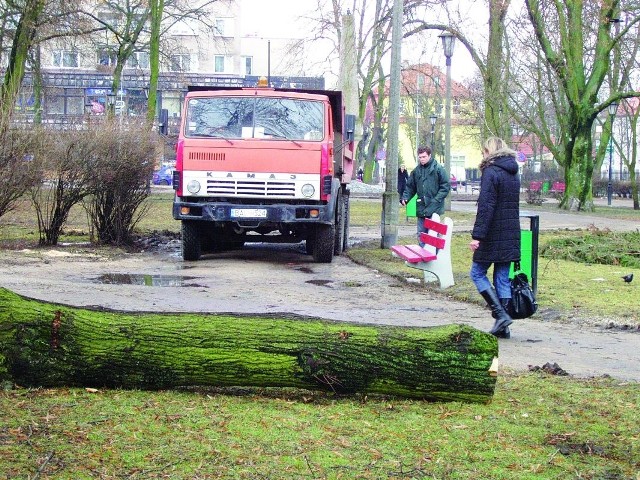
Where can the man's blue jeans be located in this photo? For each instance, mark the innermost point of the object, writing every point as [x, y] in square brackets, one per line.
[421, 228]
[501, 281]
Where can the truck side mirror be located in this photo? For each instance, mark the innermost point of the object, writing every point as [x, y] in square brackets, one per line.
[349, 127]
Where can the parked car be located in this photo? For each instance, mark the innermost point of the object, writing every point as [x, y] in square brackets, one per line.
[164, 176]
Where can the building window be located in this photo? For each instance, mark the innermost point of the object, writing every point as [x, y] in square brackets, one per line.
[64, 101]
[420, 81]
[107, 57]
[219, 64]
[113, 19]
[180, 63]
[218, 28]
[65, 59]
[138, 60]
[248, 65]
[456, 105]
[223, 27]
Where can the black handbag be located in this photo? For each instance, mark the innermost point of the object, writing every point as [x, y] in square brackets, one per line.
[523, 302]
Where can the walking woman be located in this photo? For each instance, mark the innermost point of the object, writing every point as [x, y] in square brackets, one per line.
[496, 232]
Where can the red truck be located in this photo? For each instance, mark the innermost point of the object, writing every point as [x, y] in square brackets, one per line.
[263, 164]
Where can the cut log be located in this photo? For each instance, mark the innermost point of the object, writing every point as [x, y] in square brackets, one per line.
[51, 345]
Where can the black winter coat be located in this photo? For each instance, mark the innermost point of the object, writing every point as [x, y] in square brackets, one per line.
[497, 223]
[403, 175]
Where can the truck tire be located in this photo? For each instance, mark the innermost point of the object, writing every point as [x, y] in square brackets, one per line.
[191, 242]
[324, 243]
[339, 229]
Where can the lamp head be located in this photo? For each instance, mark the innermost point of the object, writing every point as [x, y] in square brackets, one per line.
[448, 42]
[433, 119]
[613, 108]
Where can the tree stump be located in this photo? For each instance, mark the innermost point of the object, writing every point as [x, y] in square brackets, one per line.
[51, 345]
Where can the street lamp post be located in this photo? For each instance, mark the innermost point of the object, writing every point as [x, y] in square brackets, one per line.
[417, 125]
[613, 109]
[433, 119]
[448, 42]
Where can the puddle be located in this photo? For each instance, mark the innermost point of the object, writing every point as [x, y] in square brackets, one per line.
[320, 283]
[147, 280]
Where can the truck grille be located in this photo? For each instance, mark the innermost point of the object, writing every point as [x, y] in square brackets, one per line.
[251, 188]
[207, 156]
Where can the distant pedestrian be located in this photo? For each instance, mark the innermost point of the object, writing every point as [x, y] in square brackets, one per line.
[360, 173]
[496, 232]
[403, 176]
[429, 181]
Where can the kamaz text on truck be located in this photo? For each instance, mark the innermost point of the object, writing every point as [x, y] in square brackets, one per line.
[263, 165]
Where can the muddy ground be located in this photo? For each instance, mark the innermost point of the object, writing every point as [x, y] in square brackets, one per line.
[282, 279]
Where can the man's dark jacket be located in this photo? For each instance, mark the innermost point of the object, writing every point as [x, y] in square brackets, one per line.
[497, 223]
[432, 186]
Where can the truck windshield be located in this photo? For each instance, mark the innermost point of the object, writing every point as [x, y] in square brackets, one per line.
[251, 117]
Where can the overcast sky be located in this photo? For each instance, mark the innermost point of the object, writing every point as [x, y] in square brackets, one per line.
[282, 19]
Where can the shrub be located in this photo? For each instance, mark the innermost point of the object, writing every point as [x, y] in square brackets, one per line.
[534, 197]
[19, 165]
[122, 167]
[67, 172]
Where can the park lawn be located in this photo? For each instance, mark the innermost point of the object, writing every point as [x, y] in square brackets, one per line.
[536, 427]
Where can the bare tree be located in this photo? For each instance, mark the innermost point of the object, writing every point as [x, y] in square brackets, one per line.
[130, 26]
[577, 61]
[23, 38]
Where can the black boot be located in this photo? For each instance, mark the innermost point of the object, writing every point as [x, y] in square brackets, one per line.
[505, 332]
[497, 311]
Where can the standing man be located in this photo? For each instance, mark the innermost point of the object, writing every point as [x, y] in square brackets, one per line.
[429, 181]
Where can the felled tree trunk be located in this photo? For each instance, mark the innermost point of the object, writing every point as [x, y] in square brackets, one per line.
[49, 345]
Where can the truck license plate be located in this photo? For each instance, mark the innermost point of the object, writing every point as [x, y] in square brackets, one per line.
[249, 212]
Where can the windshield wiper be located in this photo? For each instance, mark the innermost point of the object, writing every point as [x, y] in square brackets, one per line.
[210, 135]
[284, 137]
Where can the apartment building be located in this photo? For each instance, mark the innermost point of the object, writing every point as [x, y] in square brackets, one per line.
[77, 72]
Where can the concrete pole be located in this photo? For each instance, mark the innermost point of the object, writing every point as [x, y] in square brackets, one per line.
[349, 74]
[390, 200]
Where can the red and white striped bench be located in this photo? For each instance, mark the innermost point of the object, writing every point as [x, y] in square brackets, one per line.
[434, 259]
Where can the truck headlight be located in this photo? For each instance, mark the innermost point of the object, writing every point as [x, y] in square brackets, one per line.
[308, 190]
[193, 186]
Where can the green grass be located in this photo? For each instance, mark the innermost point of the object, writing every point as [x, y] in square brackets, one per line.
[565, 288]
[536, 427]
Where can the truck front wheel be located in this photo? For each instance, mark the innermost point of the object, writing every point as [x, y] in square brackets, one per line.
[323, 244]
[191, 242]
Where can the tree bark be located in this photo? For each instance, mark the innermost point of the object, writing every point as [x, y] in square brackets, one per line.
[50, 345]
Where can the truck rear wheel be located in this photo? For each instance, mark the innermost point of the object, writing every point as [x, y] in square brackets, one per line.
[191, 242]
[324, 244]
